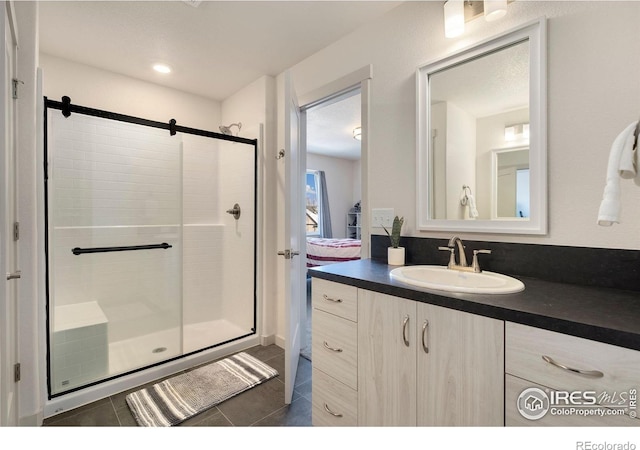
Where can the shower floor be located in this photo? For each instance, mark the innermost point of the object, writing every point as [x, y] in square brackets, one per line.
[138, 352]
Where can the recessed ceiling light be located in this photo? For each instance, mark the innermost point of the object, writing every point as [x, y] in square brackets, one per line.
[162, 68]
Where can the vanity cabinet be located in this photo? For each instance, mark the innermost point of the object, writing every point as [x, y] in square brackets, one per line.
[425, 365]
[334, 350]
[557, 362]
[386, 360]
[460, 368]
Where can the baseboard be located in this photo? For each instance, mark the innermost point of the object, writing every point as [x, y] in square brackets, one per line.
[34, 420]
[280, 341]
[268, 340]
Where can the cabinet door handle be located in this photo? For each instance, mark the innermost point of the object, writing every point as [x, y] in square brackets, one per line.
[405, 325]
[425, 347]
[326, 408]
[329, 299]
[333, 349]
[586, 373]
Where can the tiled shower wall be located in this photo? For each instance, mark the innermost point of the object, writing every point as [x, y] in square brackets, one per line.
[118, 184]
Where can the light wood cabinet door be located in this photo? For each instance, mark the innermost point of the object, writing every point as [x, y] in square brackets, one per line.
[335, 347]
[460, 368]
[386, 360]
[540, 355]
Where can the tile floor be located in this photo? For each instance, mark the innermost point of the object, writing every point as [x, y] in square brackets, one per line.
[262, 405]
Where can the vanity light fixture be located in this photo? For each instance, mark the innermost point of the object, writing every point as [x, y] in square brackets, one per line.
[357, 133]
[162, 68]
[458, 12]
[494, 9]
[453, 18]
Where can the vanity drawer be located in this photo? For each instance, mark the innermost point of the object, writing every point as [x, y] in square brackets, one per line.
[514, 387]
[605, 367]
[334, 403]
[335, 298]
[335, 347]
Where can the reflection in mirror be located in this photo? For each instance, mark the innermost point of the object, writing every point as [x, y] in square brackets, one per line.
[482, 153]
[510, 177]
[471, 105]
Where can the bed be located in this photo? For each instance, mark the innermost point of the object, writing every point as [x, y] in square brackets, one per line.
[322, 251]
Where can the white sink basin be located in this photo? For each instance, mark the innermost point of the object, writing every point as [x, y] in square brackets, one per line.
[444, 279]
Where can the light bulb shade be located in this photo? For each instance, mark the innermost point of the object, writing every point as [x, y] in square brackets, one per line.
[453, 18]
[494, 9]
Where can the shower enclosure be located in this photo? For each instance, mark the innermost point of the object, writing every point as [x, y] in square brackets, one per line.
[151, 243]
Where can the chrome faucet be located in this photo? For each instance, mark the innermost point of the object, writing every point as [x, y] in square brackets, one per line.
[462, 258]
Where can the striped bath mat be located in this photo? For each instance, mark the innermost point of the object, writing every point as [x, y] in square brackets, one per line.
[177, 399]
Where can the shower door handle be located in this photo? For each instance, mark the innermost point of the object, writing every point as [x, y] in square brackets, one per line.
[288, 254]
[14, 275]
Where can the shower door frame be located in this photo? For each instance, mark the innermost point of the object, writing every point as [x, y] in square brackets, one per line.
[68, 108]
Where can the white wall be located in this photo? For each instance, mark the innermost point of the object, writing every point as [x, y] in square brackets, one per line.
[96, 88]
[254, 106]
[490, 136]
[593, 92]
[461, 159]
[340, 174]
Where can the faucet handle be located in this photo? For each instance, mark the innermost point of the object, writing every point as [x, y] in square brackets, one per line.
[474, 264]
[452, 257]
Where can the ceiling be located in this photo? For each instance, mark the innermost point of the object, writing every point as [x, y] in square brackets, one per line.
[330, 128]
[214, 49]
[486, 86]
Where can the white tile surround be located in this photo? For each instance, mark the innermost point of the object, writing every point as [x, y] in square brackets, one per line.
[80, 346]
[112, 185]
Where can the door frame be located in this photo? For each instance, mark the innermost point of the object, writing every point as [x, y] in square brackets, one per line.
[335, 90]
[358, 79]
[9, 392]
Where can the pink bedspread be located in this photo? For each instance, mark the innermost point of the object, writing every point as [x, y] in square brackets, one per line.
[321, 252]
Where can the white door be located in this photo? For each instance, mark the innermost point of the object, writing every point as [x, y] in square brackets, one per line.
[8, 245]
[294, 253]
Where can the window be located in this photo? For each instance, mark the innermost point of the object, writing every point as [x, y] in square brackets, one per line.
[313, 203]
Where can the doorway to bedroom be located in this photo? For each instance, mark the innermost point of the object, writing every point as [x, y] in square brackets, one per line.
[333, 189]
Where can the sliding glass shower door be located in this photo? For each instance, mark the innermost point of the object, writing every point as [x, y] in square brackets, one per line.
[115, 239]
[150, 246]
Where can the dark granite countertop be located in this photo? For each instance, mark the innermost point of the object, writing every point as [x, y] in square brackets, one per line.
[607, 315]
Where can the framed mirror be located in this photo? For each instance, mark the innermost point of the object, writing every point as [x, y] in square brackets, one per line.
[481, 156]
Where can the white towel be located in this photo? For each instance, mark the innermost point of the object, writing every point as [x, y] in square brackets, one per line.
[609, 212]
[628, 163]
[473, 212]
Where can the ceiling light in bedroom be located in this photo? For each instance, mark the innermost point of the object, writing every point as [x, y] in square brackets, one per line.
[162, 68]
[357, 133]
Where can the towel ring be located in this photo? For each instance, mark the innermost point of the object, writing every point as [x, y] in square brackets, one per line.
[464, 198]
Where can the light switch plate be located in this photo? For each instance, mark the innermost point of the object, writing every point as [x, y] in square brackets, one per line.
[382, 217]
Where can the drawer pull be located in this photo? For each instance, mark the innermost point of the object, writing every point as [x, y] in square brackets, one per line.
[586, 373]
[425, 347]
[326, 408]
[337, 350]
[405, 325]
[329, 299]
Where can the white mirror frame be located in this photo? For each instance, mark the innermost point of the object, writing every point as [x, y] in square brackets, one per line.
[535, 32]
